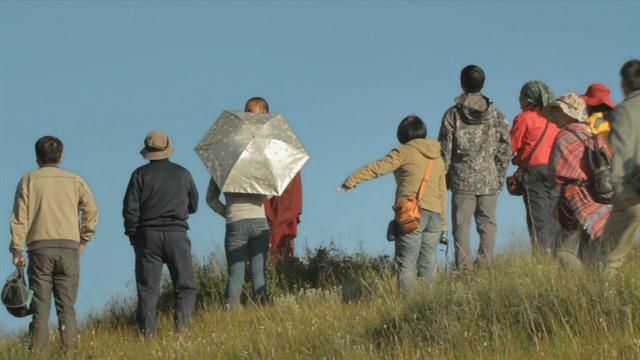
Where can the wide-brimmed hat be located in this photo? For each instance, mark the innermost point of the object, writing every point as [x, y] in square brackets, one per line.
[569, 104]
[157, 146]
[598, 94]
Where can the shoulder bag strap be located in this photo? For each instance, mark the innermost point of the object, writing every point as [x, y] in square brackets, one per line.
[425, 179]
[535, 146]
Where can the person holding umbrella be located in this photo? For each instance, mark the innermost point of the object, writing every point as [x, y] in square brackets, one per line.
[251, 156]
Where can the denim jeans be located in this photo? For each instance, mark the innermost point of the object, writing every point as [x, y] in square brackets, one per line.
[247, 239]
[416, 253]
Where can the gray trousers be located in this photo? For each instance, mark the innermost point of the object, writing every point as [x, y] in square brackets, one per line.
[416, 253]
[153, 248]
[483, 208]
[620, 233]
[54, 270]
[539, 202]
[574, 249]
[247, 239]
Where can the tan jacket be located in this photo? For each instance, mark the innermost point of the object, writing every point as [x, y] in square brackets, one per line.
[408, 163]
[47, 208]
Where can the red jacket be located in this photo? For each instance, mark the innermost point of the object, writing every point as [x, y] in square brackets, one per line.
[527, 129]
[283, 213]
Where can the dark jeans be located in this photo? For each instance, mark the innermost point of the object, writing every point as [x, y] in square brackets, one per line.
[416, 253]
[54, 270]
[483, 209]
[247, 239]
[540, 202]
[153, 248]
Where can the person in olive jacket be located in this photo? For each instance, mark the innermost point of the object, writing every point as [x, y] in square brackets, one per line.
[416, 251]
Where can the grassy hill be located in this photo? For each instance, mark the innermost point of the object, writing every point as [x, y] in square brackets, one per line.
[335, 306]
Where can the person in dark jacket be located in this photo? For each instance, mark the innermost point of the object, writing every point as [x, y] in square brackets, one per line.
[476, 149]
[157, 204]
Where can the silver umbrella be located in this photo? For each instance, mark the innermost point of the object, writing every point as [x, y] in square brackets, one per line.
[252, 153]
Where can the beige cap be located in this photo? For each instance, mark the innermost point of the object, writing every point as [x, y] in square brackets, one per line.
[157, 146]
[569, 104]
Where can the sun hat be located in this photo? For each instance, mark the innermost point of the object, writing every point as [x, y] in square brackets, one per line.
[157, 146]
[569, 104]
[598, 94]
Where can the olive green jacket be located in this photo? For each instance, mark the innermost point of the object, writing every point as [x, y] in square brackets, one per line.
[408, 164]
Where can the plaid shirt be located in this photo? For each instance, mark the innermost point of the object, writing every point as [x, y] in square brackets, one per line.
[568, 164]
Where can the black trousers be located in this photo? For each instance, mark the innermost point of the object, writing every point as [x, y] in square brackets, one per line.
[153, 248]
[540, 202]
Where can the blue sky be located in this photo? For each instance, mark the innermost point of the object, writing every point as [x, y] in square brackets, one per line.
[100, 75]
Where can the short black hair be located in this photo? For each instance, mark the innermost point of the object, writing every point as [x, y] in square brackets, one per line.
[49, 150]
[411, 127]
[630, 73]
[261, 102]
[472, 78]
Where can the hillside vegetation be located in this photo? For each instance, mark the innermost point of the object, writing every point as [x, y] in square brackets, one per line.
[338, 306]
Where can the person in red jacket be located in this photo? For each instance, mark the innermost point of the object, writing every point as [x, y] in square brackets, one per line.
[283, 212]
[532, 138]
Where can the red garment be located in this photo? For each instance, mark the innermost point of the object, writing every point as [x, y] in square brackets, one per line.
[568, 164]
[527, 129]
[283, 213]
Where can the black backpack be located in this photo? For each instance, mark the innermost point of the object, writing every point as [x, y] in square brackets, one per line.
[600, 183]
[16, 296]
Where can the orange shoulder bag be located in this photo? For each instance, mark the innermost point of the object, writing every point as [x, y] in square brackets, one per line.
[407, 209]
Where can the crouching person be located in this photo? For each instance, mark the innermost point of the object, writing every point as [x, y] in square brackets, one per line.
[54, 217]
[419, 170]
[581, 216]
[157, 204]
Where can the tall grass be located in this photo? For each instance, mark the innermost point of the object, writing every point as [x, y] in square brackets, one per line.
[334, 305]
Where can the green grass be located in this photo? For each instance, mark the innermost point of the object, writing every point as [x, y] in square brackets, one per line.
[336, 306]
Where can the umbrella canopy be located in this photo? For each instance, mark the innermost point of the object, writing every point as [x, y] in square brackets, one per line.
[252, 153]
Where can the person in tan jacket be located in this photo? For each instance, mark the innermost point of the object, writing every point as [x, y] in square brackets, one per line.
[54, 216]
[416, 251]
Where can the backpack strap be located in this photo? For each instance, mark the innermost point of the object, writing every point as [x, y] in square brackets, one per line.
[577, 136]
[425, 179]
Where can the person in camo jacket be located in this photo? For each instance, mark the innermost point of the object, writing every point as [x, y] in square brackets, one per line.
[476, 148]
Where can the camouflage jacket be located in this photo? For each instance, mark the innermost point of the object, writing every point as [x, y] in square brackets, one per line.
[476, 146]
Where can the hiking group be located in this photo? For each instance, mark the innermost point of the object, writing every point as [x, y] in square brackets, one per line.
[578, 171]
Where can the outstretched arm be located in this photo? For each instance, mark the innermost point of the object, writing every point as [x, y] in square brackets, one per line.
[373, 170]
